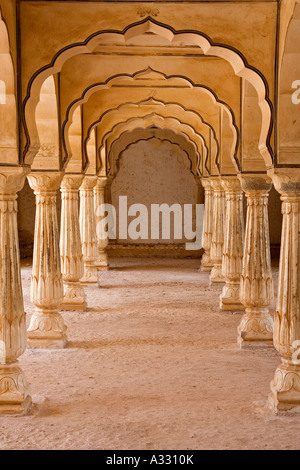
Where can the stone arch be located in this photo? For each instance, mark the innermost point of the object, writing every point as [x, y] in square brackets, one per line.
[148, 25]
[162, 122]
[156, 76]
[169, 109]
[9, 145]
[124, 141]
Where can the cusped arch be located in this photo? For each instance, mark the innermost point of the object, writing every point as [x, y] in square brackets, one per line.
[162, 122]
[127, 138]
[148, 25]
[156, 76]
[134, 110]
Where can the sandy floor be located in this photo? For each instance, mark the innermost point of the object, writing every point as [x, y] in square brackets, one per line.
[153, 364]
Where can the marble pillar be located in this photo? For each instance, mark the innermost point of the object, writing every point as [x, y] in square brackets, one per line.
[233, 245]
[256, 292]
[88, 229]
[14, 389]
[70, 244]
[47, 328]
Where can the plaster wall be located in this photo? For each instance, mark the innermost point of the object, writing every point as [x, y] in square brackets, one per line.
[154, 172]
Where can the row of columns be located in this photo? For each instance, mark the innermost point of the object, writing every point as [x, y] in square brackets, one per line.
[246, 268]
[241, 262]
[240, 259]
[63, 263]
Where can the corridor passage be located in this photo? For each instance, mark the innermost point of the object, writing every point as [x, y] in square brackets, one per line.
[152, 364]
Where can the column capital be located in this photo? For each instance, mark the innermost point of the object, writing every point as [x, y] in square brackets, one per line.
[286, 180]
[206, 183]
[215, 183]
[89, 182]
[101, 182]
[12, 178]
[255, 182]
[231, 183]
[71, 181]
[45, 181]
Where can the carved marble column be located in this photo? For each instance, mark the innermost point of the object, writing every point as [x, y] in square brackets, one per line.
[218, 231]
[285, 388]
[233, 245]
[46, 327]
[88, 229]
[206, 262]
[70, 244]
[99, 198]
[14, 390]
[256, 294]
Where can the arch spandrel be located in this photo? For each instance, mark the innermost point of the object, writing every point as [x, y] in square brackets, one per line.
[91, 168]
[250, 125]
[288, 151]
[9, 145]
[74, 164]
[48, 156]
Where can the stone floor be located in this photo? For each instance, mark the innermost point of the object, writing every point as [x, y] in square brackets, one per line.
[153, 364]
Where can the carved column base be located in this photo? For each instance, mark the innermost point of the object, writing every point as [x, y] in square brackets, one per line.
[285, 388]
[74, 298]
[14, 390]
[256, 328]
[47, 330]
[216, 275]
[90, 275]
[102, 261]
[230, 297]
[206, 263]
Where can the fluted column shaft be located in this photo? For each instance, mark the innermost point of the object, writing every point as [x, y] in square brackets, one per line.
[233, 244]
[14, 390]
[285, 388]
[88, 229]
[99, 198]
[256, 292]
[70, 244]
[218, 231]
[46, 327]
[206, 262]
